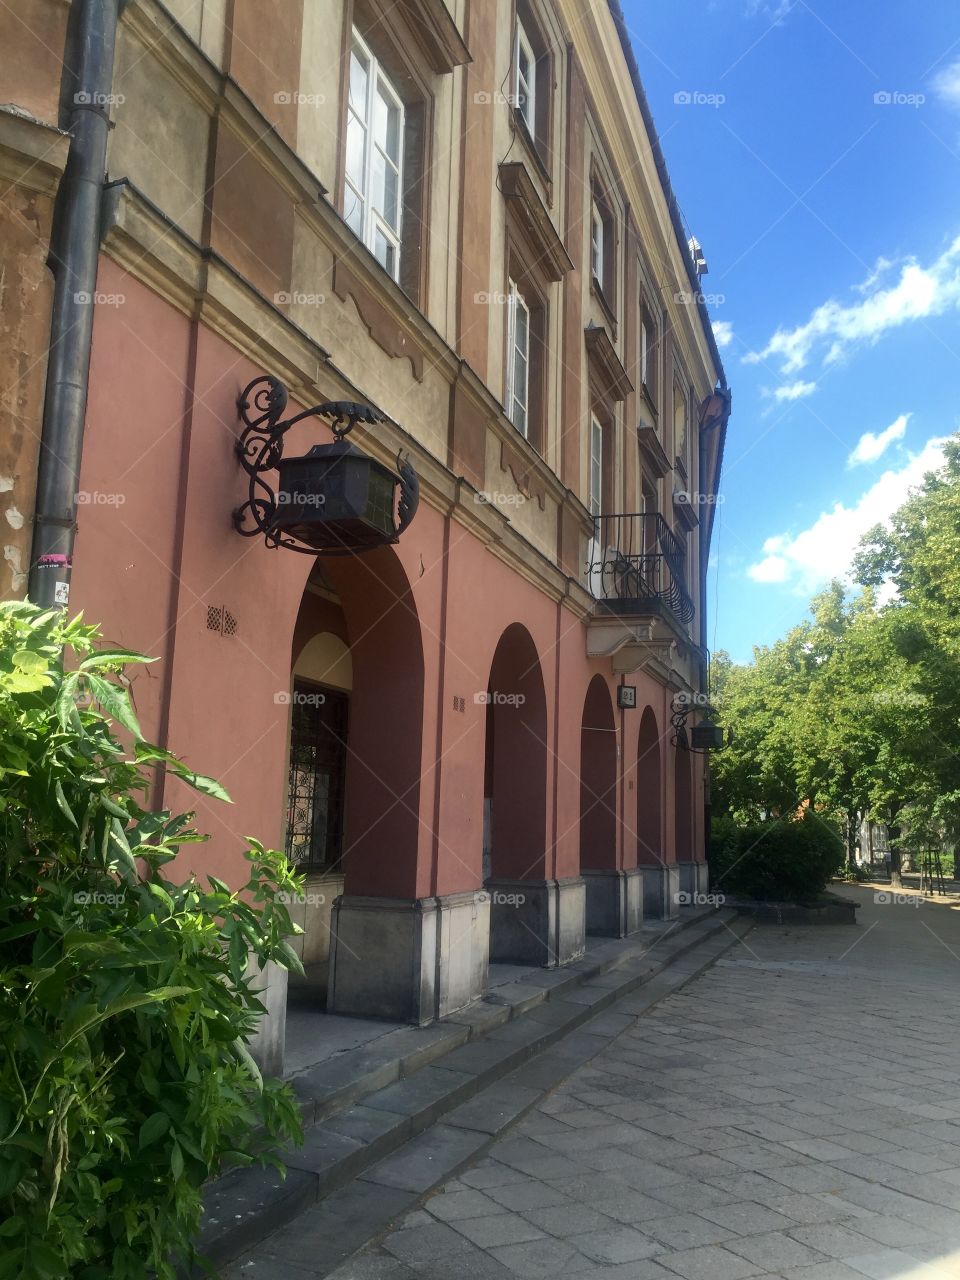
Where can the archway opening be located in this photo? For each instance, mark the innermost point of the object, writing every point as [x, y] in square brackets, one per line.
[649, 824]
[607, 907]
[515, 796]
[598, 780]
[353, 791]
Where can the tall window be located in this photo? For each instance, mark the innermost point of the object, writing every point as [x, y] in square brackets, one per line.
[596, 243]
[679, 422]
[318, 760]
[518, 360]
[596, 467]
[525, 80]
[373, 192]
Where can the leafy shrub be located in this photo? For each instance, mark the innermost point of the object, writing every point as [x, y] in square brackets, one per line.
[784, 860]
[126, 1000]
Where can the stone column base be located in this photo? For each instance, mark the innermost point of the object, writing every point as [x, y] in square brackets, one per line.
[267, 1045]
[661, 886]
[409, 961]
[694, 880]
[614, 902]
[537, 922]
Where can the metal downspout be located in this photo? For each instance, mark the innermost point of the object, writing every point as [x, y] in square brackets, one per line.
[74, 255]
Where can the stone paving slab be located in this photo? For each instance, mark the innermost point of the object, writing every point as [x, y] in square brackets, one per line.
[468, 1128]
[791, 1114]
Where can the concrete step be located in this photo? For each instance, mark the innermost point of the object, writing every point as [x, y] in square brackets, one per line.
[412, 1133]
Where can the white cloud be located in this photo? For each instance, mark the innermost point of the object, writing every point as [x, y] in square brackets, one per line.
[946, 84]
[873, 445]
[833, 327]
[773, 10]
[880, 268]
[825, 550]
[723, 332]
[794, 391]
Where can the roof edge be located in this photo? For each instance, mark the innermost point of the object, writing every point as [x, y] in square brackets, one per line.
[619, 21]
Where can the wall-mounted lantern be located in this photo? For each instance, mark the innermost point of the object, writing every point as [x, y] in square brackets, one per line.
[703, 737]
[334, 500]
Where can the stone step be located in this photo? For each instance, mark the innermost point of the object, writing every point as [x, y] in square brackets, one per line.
[347, 1078]
[414, 1132]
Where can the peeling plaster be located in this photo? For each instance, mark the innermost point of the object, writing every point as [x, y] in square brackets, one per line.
[14, 518]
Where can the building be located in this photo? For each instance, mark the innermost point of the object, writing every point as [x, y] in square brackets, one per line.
[457, 213]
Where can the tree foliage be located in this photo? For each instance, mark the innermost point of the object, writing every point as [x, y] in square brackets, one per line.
[856, 711]
[126, 998]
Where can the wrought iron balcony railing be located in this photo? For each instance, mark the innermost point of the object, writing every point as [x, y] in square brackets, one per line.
[636, 565]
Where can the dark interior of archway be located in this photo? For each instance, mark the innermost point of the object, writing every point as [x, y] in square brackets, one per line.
[598, 780]
[649, 848]
[516, 759]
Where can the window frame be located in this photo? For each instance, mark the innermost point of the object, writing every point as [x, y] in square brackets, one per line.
[372, 220]
[597, 246]
[526, 107]
[516, 300]
[597, 463]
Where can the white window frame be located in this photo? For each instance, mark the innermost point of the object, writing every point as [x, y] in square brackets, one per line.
[517, 397]
[596, 242]
[596, 466]
[525, 87]
[644, 350]
[373, 220]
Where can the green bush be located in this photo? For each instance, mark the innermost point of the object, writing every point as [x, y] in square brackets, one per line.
[783, 860]
[126, 1000]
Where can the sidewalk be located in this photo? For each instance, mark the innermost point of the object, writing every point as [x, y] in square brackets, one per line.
[793, 1113]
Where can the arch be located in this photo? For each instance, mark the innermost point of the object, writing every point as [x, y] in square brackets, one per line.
[382, 830]
[683, 807]
[515, 788]
[598, 779]
[325, 659]
[649, 786]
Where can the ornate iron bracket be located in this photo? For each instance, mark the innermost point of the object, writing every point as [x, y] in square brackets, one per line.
[259, 449]
[680, 708]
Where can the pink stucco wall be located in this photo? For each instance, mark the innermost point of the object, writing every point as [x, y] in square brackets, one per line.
[424, 621]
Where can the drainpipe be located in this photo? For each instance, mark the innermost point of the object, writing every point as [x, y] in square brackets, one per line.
[74, 255]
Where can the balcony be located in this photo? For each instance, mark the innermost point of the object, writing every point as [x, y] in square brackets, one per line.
[636, 567]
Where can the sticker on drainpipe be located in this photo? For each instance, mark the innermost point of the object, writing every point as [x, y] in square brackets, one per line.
[61, 593]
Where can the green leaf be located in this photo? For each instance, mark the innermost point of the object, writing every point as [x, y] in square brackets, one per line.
[115, 701]
[200, 782]
[153, 1129]
[62, 803]
[176, 1162]
[112, 658]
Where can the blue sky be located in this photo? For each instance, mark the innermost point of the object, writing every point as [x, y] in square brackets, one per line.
[818, 164]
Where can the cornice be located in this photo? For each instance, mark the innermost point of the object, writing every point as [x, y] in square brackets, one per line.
[33, 154]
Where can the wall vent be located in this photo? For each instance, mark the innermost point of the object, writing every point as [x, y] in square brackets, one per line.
[220, 619]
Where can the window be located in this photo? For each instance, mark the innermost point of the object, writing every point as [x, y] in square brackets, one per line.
[525, 80]
[318, 760]
[596, 243]
[679, 422]
[596, 467]
[518, 360]
[373, 192]
[648, 350]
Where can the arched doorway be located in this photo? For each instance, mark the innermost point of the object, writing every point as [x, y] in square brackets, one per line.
[354, 817]
[650, 857]
[606, 900]
[523, 914]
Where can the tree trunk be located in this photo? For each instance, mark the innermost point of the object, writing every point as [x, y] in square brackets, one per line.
[896, 861]
[851, 838]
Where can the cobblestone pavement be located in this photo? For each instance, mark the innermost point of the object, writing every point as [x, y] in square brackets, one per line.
[795, 1112]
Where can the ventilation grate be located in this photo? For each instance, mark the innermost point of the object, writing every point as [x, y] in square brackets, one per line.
[221, 620]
